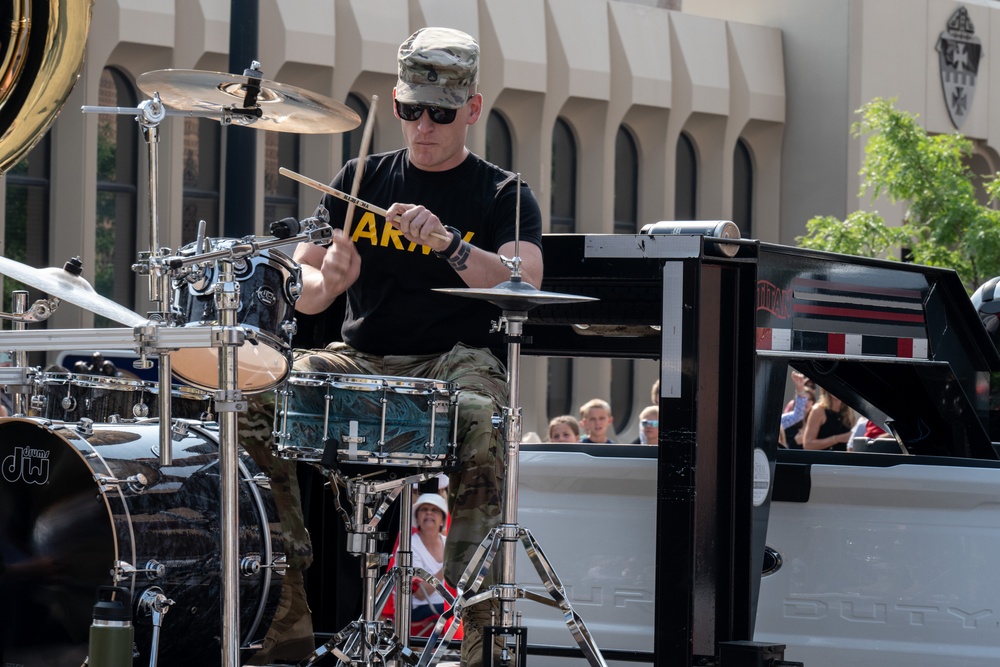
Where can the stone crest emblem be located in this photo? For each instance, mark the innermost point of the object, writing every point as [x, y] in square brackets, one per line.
[959, 51]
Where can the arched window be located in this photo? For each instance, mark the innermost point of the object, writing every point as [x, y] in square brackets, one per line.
[563, 216]
[622, 391]
[563, 179]
[685, 180]
[351, 142]
[281, 199]
[202, 176]
[499, 146]
[27, 207]
[559, 398]
[115, 243]
[626, 182]
[625, 222]
[743, 188]
[979, 167]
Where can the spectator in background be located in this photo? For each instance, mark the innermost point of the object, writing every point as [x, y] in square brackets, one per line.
[829, 424]
[649, 425]
[564, 428]
[793, 419]
[791, 436]
[597, 419]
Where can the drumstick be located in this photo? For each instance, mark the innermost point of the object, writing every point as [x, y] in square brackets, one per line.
[366, 139]
[360, 203]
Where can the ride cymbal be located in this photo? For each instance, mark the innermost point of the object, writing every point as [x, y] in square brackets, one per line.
[275, 106]
[70, 287]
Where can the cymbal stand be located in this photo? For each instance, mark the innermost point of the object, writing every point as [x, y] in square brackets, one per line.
[149, 114]
[502, 538]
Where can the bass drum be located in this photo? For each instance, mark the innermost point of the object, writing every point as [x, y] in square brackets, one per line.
[77, 505]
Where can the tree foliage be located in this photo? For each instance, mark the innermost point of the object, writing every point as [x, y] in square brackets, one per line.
[944, 224]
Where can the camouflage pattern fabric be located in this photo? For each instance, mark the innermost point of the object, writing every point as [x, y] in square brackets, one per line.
[290, 633]
[437, 67]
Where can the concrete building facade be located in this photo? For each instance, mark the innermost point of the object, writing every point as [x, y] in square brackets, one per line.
[734, 110]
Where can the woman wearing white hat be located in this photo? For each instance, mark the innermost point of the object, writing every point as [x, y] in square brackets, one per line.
[430, 513]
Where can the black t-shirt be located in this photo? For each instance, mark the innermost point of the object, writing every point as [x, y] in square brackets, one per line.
[391, 309]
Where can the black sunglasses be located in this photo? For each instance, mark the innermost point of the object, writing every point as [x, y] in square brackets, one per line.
[439, 115]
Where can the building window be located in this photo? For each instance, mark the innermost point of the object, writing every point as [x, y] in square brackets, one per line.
[281, 200]
[499, 146]
[743, 188]
[115, 242]
[27, 207]
[685, 180]
[202, 147]
[622, 390]
[559, 398]
[979, 171]
[351, 142]
[626, 182]
[563, 179]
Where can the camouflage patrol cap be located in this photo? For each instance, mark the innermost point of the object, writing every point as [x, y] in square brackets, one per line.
[437, 66]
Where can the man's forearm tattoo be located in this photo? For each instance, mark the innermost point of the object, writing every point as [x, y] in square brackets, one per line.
[459, 260]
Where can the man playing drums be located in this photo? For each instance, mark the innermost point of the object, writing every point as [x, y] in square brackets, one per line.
[450, 217]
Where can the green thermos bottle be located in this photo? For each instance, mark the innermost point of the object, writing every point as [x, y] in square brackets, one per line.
[111, 631]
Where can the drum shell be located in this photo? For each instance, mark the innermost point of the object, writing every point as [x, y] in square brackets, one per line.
[269, 285]
[65, 524]
[396, 421]
[74, 396]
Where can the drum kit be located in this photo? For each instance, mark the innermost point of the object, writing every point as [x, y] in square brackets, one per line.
[184, 519]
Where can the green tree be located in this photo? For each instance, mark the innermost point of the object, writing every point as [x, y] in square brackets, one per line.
[944, 224]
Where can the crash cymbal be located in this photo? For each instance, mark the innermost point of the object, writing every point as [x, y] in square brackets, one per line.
[515, 295]
[282, 108]
[69, 287]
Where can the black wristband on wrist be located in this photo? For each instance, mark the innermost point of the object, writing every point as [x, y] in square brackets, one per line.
[456, 240]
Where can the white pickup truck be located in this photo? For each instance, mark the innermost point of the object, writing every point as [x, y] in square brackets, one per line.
[875, 559]
[717, 534]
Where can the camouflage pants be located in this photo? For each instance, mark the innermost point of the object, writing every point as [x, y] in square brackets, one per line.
[474, 489]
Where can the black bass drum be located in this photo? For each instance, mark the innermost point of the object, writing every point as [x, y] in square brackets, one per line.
[81, 503]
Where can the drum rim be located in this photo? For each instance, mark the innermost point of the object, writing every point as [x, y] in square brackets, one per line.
[360, 380]
[94, 381]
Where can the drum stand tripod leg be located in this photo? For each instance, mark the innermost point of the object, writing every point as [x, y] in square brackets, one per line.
[369, 640]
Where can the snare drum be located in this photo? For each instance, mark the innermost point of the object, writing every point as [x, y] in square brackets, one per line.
[269, 284]
[371, 420]
[80, 505]
[75, 396]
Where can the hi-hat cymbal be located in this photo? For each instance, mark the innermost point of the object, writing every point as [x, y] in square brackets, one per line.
[69, 287]
[515, 295]
[283, 108]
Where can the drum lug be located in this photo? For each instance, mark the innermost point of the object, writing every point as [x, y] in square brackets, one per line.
[123, 570]
[250, 565]
[289, 328]
[261, 480]
[85, 427]
[134, 484]
[179, 430]
[39, 403]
